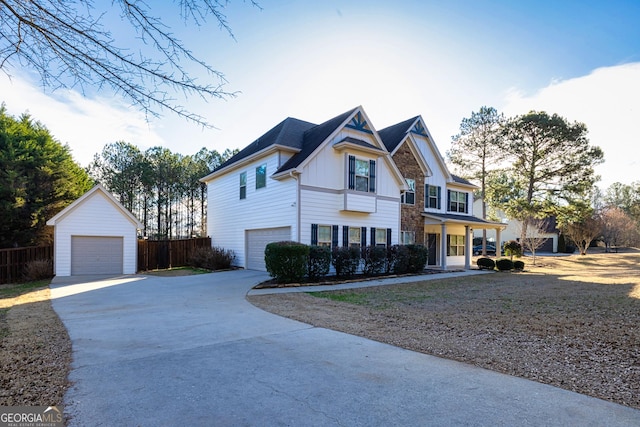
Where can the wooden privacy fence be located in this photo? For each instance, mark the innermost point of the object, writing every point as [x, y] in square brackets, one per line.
[160, 254]
[13, 261]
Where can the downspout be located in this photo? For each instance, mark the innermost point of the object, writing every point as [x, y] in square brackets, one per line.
[297, 203]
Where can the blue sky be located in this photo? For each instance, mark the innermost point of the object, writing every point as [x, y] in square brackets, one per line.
[314, 60]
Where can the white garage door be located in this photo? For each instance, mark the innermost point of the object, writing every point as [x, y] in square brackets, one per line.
[257, 241]
[96, 255]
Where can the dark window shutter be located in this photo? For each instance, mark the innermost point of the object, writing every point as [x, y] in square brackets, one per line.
[352, 172]
[448, 200]
[466, 202]
[373, 236]
[372, 176]
[314, 234]
[439, 197]
[426, 196]
[363, 237]
[388, 237]
[345, 236]
[334, 236]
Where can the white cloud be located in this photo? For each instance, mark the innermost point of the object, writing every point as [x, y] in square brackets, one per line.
[83, 123]
[608, 102]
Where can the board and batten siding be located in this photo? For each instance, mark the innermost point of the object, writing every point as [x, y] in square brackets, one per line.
[97, 216]
[229, 217]
[328, 168]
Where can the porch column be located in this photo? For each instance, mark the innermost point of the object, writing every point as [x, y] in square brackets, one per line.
[467, 248]
[443, 246]
[498, 243]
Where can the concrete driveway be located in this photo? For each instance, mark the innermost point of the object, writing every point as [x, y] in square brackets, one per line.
[191, 351]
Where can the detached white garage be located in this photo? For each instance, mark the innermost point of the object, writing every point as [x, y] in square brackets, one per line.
[95, 235]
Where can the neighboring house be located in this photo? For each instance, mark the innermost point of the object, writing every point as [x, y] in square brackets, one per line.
[95, 235]
[513, 230]
[340, 183]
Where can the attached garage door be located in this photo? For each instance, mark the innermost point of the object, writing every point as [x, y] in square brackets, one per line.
[257, 241]
[96, 255]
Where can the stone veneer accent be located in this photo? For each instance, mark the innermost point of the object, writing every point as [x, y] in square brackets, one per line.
[411, 215]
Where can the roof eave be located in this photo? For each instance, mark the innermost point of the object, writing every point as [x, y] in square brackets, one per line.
[249, 159]
[344, 145]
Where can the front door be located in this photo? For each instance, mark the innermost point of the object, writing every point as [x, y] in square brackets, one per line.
[432, 244]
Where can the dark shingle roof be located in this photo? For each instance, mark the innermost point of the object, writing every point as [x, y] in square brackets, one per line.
[293, 133]
[460, 180]
[359, 142]
[288, 132]
[459, 218]
[392, 136]
[312, 138]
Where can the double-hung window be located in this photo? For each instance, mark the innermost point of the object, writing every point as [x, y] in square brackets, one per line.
[458, 201]
[324, 235]
[261, 176]
[381, 237]
[455, 245]
[407, 237]
[409, 196]
[432, 197]
[362, 174]
[243, 185]
[354, 237]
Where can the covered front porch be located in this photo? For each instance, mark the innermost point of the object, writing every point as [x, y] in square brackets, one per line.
[449, 238]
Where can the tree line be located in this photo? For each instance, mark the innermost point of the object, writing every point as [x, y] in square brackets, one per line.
[161, 188]
[539, 165]
[39, 178]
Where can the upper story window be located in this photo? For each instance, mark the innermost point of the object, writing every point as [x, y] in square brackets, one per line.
[432, 196]
[362, 174]
[458, 201]
[243, 185]
[409, 196]
[261, 176]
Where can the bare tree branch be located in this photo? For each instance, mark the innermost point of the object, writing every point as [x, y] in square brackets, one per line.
[66, 43]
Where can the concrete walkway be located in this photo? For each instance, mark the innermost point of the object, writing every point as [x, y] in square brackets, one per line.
[191, 351]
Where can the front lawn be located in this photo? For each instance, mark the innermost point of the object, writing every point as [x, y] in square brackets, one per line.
[572, 322]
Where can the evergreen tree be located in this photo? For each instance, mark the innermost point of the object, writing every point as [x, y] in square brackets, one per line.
[38, 178]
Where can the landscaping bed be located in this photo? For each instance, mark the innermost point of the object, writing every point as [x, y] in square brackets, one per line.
[572, 322]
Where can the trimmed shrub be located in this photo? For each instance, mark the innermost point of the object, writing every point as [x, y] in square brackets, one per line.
[397, 259]
[518, 265]
[212, 258]
[512, 248]
[319, 262]
[402, 259]
[417, 258]
[375, 260]
[286, 261]
[38, 269]
[486, 263]
[345, 260]
[504, 264]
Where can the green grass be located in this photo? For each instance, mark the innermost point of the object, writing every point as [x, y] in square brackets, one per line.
[15, 289]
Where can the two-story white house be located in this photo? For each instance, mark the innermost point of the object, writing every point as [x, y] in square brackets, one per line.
[340, 183]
